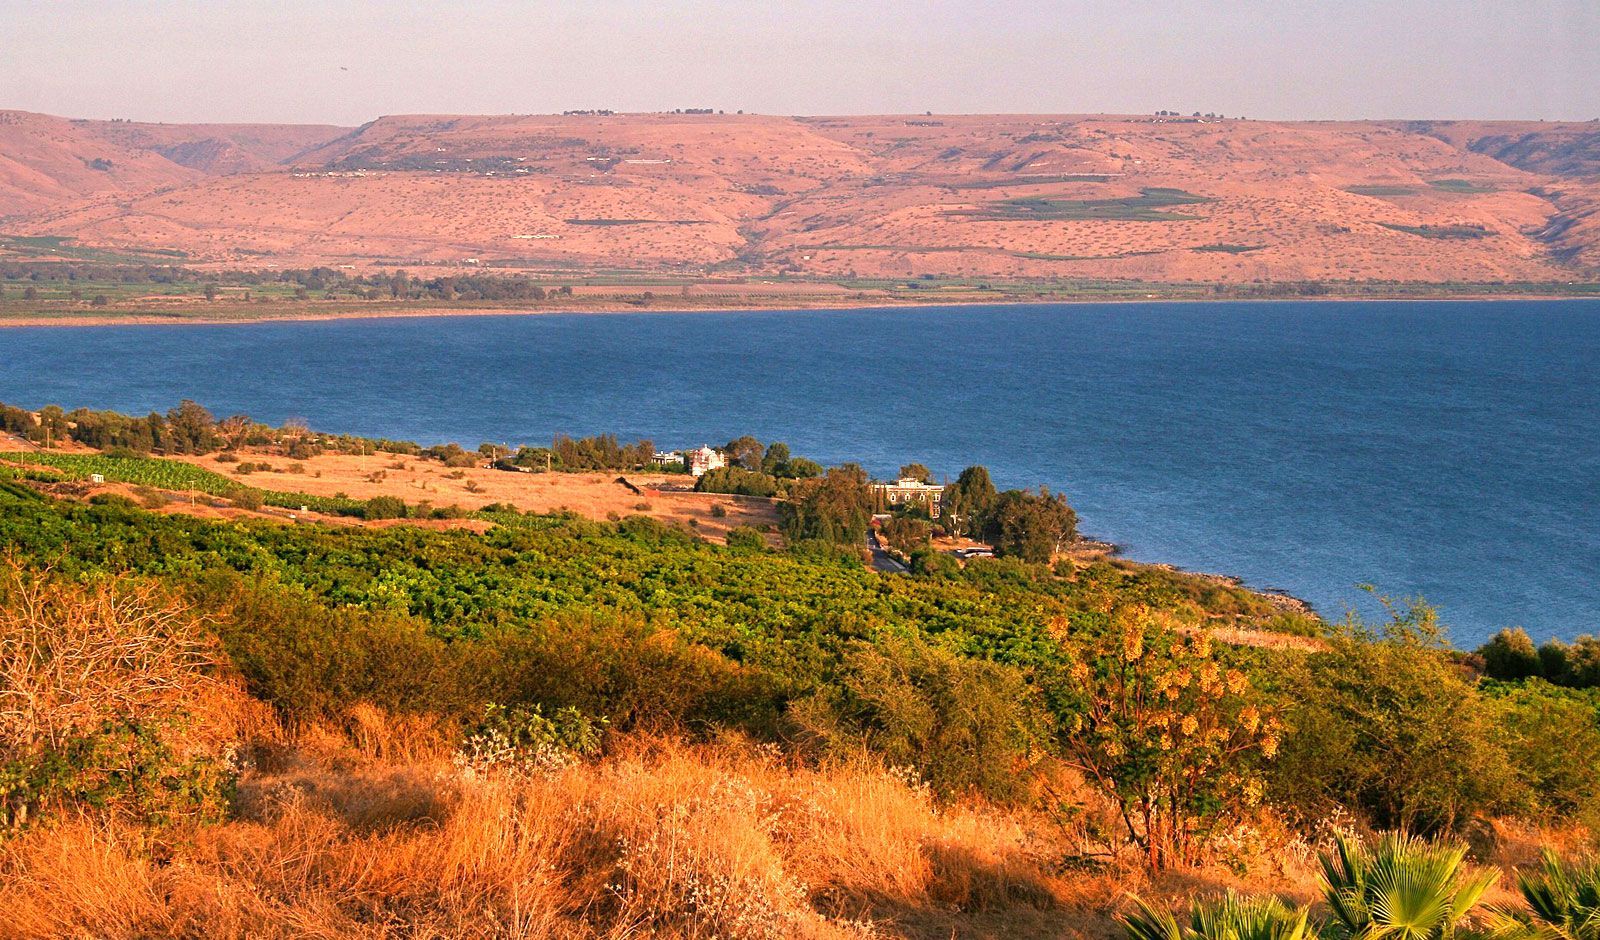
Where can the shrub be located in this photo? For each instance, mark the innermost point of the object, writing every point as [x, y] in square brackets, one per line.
[964, 724]
[1510, 654]
[521, 739]
[1386, 725]
[384, 507]
[636, 676]
[1168, 733]
[1552, 741]
[737, 481]
[244, 497]
[108, 702]
[929, 563]
[312, 663]
[1403, 886]
[745, 538]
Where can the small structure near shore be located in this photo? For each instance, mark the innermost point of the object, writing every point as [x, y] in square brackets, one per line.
[908, 492]
[703, 460]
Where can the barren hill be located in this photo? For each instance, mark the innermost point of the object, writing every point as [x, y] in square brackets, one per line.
[1161, 198]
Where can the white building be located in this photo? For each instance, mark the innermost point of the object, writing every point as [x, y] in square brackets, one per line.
[908, 491]
[704, 459]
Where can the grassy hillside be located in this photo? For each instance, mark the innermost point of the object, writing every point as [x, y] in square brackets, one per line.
[548, 726]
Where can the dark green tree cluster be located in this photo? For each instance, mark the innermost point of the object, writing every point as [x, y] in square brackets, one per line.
[186, 429]
[1031, 525]
[756, 469]
[833, 508]
[737, 481]
[322, 281]
[1510, 654]
[601, 452]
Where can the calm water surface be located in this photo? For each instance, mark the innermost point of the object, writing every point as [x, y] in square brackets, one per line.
[1449, 450]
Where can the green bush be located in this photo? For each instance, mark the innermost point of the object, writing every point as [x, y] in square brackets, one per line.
[1552, 739]
[635, 676]
[737, 481]
[522, 739]
[312, 662]
[746, 538]
[384, 507]
[1384, 723]
[930, 563]
[963, 724]
[244, 497]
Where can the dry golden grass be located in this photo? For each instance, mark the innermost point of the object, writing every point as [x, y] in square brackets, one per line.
[658, 839]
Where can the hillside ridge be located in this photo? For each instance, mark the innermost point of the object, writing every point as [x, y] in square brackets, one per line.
[1162, 198]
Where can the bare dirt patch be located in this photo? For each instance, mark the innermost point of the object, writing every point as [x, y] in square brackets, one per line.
[420, 480]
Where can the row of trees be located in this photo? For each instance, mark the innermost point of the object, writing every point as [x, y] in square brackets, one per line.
[1511, 655]
[186, 429]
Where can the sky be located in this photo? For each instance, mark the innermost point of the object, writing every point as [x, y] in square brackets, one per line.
[347, 63]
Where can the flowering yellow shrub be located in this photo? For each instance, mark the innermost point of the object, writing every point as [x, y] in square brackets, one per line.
[1171, 735]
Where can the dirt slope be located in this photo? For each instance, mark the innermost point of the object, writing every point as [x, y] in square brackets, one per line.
[1157, 198]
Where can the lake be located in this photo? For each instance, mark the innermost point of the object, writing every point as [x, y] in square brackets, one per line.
[1449, 450]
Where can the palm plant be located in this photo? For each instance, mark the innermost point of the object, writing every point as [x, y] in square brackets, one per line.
[1230, 918]
[1403, 888]
[1563, 902]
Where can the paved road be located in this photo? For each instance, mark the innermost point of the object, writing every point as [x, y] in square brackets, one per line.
[882, 560]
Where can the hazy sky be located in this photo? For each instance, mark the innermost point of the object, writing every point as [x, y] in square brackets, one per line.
[303, 61]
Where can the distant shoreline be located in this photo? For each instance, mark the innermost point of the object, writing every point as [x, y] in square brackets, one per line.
[877, 303]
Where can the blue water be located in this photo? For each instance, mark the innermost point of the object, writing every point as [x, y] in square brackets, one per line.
[1448, 450]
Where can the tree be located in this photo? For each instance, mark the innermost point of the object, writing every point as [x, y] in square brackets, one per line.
[967, 501]
[916, 471]
[192, 429]
[1510, 654]
[832, 508]
[211, 292]
[1030, 526]
[799, 468]
[776, 460]
[906, 534]
[745, 452]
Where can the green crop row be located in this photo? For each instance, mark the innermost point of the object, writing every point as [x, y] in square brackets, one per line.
[177, 475]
